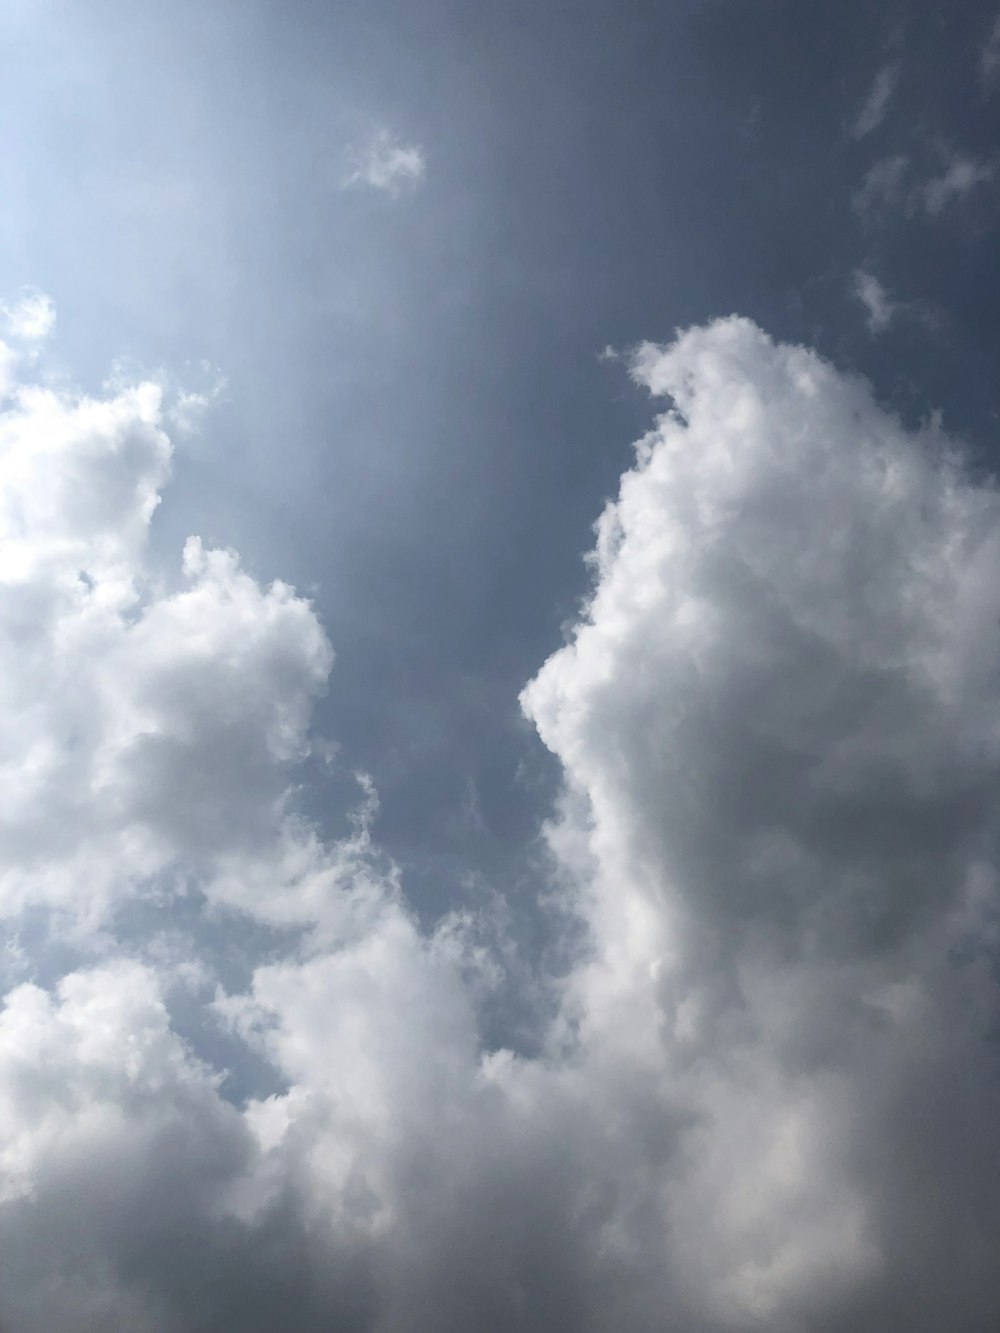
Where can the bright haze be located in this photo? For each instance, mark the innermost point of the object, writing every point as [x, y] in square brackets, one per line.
[499, 667]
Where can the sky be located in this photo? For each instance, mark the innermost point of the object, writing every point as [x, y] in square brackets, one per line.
[499, 666]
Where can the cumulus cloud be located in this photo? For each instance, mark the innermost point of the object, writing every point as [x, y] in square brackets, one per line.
[872, 111]
[386, 164]
[777, 725]
[765, 1091]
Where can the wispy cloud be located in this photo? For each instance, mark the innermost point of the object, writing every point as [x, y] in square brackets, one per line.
[32, 318]
[894, 184]
[989, 56]
[873, 296]
[881, 188]
[384, 163]
[873, 109]
[960, 176]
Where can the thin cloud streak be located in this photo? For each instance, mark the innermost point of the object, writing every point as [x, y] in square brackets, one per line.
[873, 110]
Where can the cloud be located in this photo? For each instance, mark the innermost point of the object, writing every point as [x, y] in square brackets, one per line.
[189, 408]
[879, 308]
[872, 111]
[142, 728]
[32, 318]
[384, 163]
[960, 176]
[882, 187]
[989, 56]
[765, 1091]
[772, 723]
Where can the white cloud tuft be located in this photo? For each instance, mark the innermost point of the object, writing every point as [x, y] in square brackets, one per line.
[873, 109]
[32, 318]
[879, 308]
[960, 176]
[384, 163]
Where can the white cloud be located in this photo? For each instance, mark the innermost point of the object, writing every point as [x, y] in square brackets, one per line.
[768, 1096]
[141, 728]
[189, 407]
[872, 111]
[32, 318]
[777, 725]
[384, 163]
[879, 309]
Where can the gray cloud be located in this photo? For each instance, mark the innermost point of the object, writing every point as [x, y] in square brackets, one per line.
[882, 188]
[961, 175]
[872, 111]
[779, 716]
[879, 308]
[767, 1096]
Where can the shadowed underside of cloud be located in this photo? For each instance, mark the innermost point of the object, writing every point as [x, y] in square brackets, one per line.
[769, 1094]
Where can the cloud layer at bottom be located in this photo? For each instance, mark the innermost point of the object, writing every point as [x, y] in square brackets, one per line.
[765, 1092]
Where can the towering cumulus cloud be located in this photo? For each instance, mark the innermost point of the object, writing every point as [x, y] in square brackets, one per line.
[768, 1095]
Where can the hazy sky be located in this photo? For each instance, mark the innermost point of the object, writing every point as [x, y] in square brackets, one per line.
[499, 665]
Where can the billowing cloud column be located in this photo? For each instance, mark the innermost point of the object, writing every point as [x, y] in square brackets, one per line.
[780, 726]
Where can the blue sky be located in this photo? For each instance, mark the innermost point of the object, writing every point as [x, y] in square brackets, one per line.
[414, 419]
[389, 266]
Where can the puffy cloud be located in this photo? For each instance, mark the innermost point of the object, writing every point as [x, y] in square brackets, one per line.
[780, 714]
[143, 728]
[765, 1091]
[386, 164]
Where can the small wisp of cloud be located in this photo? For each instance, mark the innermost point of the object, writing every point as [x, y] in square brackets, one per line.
[879, 309]
[189, 408]
[961, 175]
[384, 163]
[881, 188]
[989, 56]
[31, 319]
[875, 105]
